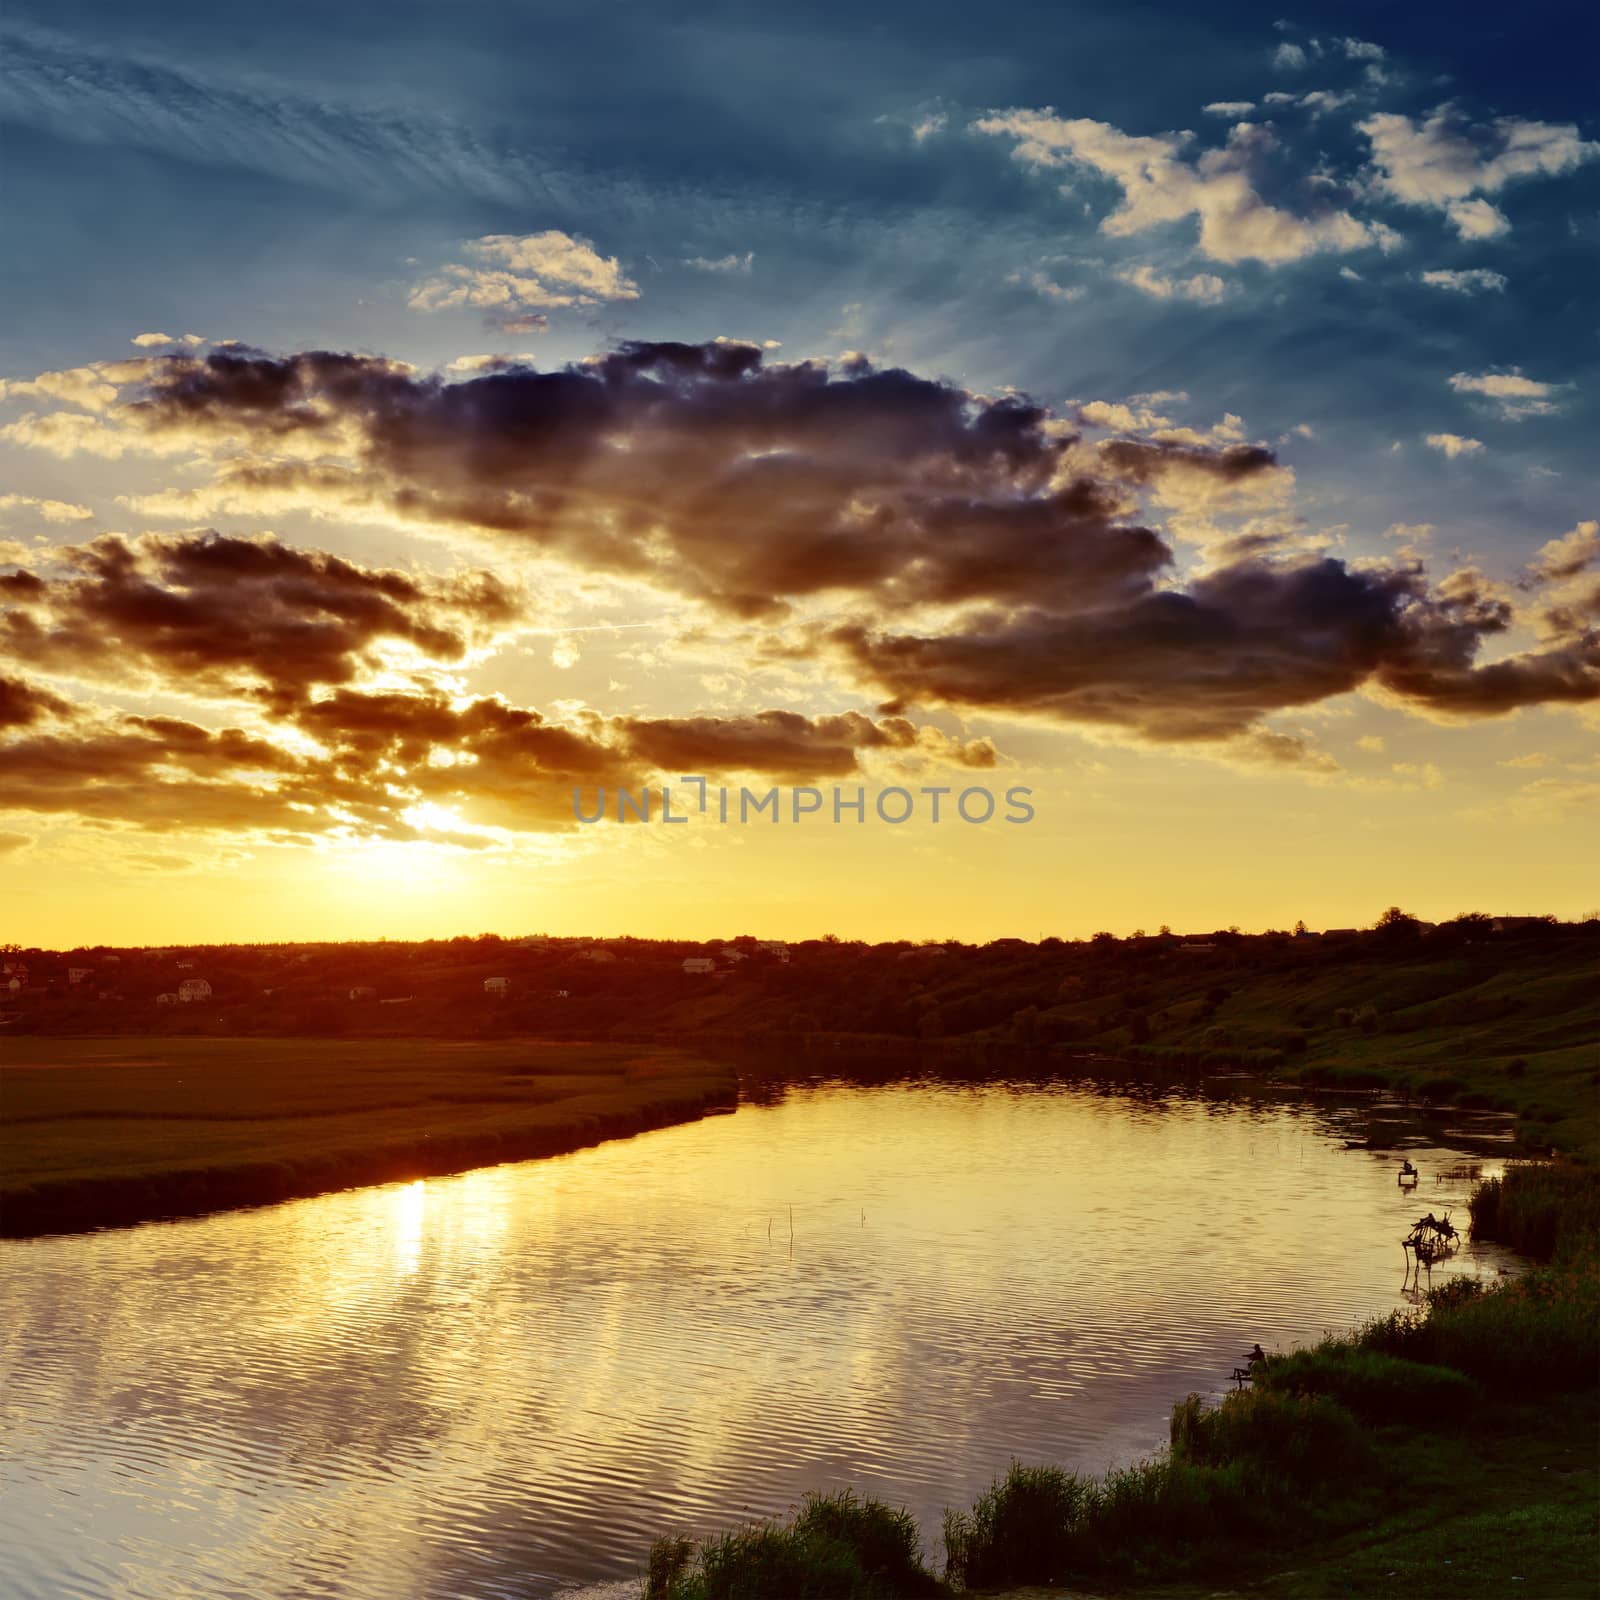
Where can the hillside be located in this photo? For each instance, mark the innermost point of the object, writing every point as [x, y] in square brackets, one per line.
[1459, 1013]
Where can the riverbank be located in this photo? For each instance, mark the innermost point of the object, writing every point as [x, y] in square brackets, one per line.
[1447, 1451]
[107, 1132]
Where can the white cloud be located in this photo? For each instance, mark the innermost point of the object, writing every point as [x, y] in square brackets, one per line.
[147, 339]
[1288, 57]
[487, 363]
[1516, 396]
[727, 263]
[1362, 50]
[1161, 185]
[1470, 280]
[1477, 219]
[1048, 288]
[1321, 100]
[1453, 444]
[926, 127]
[1440, 164]
[1137, 417]
[1229, 108]
[50, 510]
[1411, 538]
[553, 270]
[1205, 287]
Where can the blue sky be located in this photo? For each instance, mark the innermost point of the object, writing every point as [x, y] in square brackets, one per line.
[274, 177]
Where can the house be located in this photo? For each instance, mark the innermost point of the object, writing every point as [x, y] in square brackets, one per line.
[699, 964]
[728, 953]
[1518, 924]
[14, 969]
[166, 999]
[534, 941]
[194, 989]
[774, 947]
[186, 966]
[76, 975]
[597, 955]
[1194, 947]
[363, 991]
[496, 985]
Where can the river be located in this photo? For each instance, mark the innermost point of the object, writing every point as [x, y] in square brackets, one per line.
[506, 1383]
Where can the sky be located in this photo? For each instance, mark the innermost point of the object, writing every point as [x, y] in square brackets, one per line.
[410, 418]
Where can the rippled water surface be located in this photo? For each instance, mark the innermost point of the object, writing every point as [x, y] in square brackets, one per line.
[508, 1382]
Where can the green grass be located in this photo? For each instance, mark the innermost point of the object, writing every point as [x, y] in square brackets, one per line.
[1513, 1028]
[96, 1131]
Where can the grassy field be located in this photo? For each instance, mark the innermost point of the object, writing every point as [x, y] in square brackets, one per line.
[101, 1131]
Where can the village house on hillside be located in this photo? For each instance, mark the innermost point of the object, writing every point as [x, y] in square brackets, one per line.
[774, 947]
[596, 955]
[699, 964]
[194, 989]
[76, 975]
[496, 985]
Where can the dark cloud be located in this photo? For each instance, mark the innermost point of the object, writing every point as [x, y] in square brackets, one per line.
[700, 467]
[213, 614]
[158, 773]
[1208, 662]
[982, 554]
[376, 755]
[783, 744]
[22, 704]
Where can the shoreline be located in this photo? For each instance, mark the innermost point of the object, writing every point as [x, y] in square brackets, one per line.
[1445, 1450]
[98, 1205]
[53, 1208]
[46, 1206]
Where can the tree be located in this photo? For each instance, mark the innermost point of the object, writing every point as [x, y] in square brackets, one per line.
[1398, 924]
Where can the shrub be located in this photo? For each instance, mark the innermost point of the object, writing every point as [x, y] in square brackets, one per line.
[1020, 1530]
[837, 1547]
[1534, 1209]
[1538, 1334]
[1377, 1387]
[1280, 1437]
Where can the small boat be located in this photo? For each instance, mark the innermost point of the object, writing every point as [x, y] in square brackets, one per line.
[1408, 1175]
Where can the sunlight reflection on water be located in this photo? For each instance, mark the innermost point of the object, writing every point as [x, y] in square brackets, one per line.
[508, 1382]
